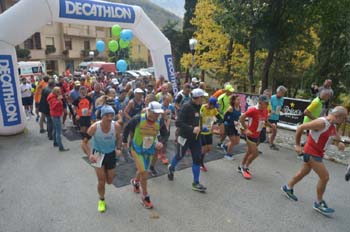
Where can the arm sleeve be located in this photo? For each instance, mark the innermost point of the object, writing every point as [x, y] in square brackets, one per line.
[130, 127]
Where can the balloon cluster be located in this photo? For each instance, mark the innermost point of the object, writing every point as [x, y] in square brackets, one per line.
[125, 35]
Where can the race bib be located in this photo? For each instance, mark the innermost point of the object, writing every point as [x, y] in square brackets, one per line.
[261, 125]
[278, 110]
[147, 142]
[85, 111]
[209, 121]
[99, 160]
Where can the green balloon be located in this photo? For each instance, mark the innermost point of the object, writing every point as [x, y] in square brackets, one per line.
[123, 43]
[113, 45]
[116, 29]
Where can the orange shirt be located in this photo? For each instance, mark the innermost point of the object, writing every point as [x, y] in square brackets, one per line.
[37, 95]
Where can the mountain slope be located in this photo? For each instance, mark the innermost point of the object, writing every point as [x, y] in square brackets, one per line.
[157, 14]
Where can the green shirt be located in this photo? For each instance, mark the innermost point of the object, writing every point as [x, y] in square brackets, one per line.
[224, 103]
[314, 108]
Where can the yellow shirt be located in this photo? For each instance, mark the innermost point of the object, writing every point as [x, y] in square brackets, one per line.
[208, 118]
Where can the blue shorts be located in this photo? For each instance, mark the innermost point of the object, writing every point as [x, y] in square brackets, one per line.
[306, 158]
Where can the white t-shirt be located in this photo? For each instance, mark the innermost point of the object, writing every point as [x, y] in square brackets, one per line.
[26, 90]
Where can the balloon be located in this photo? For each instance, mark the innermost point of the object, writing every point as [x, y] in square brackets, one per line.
[122, 65]
[113, 45]
[100, 46]
[116, 29]
[126, 34]
[123, 43]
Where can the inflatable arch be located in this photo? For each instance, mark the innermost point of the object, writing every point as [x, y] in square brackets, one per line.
[17, 24]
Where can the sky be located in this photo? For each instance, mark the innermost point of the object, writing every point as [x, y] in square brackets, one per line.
[174, 6]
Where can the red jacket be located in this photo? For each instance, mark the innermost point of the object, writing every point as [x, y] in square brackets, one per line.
[56, 106]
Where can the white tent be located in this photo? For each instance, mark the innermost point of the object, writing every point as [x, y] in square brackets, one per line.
[17, 25]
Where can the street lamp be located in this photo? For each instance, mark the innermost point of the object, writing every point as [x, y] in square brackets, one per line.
[193, 43]
[91, 55]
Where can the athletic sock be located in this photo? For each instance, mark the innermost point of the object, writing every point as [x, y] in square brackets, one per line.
[196, 172]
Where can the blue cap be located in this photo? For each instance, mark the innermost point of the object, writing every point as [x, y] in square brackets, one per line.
[107, 110]
[214, 102]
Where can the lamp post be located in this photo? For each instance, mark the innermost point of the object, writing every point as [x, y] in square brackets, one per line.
[193, 43]
[91, 55]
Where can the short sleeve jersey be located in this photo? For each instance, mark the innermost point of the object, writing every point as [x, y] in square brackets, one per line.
[257, 120]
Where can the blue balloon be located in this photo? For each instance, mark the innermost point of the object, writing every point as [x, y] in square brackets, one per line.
[122, 65]
[100, 46]
[126, 34]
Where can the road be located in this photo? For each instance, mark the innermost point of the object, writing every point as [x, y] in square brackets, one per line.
[44, 190]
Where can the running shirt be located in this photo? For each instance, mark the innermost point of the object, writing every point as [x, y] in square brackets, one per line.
[136, 109]
[171, 109]
[26, 90]
[39, 88]
[83, 106]
[104, 142]
[314, 108]
[181, 98]
[318, 141]
[276, 106]
[257, 120]
[231, 117]
[218, 93]
[208, 118]
[224, 103]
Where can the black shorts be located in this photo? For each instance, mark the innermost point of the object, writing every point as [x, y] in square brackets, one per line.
[273, 121]
[27, 101]
[262, 138]
[231, 131]
[207, 139]
[85, 121]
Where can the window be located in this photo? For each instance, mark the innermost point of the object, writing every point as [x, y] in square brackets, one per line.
[28, 43]
[87, 45]
[68, 44]
[37, 40]
[50, 41]
[139, 48]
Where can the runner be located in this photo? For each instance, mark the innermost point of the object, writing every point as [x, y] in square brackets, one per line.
[135, 105]
[322, 132]
[37, 96]
[44, 107]
[257, 117]
[27, 97]
[224, 104]
[106, 144]
[65, 93]
[83, 106]
[183, 97]
[232, 125]
[209, 115]
[276, 102]
[313, 111]
[189, 124]
[144, 128]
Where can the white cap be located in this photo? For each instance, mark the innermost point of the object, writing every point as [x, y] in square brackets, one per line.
[155, 107]
[199, 93]
[138, 90]
[194, 79]
[112, 74]
[115, 81]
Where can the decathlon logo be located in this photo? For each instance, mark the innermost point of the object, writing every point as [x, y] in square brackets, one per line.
[171, 72]
[96, 10]
[8, 92]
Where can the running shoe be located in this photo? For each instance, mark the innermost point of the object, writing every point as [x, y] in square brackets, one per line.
[274, 147]
[323, 208]
[101, 206]
[42, 131]
[219, 145]
[163, 158]
[198, 187]
[246, 174]
[239, 169]
[146, 202]
[204, 168]
[64, 149]
[229, 157]
[224, 147]
[153, 171]
[37, 119]
[289, 193]
[136, 185]
[170, 172]
[347, 175]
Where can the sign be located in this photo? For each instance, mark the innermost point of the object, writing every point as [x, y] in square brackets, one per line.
[8, 93]
[293, 111]
[171, 72]
[96, 10]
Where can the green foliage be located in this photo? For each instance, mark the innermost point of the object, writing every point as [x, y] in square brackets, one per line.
[137, 64]
[23, 53]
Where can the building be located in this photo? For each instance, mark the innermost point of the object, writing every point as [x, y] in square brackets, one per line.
[61, 46]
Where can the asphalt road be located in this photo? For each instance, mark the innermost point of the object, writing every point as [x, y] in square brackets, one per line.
[44, 190]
